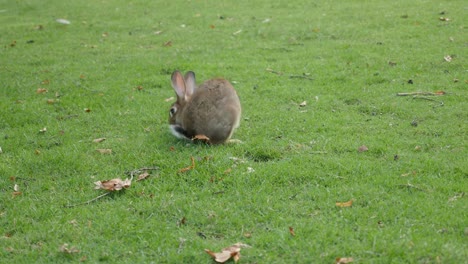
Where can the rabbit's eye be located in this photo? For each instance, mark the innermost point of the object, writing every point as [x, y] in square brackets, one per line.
[172, 111]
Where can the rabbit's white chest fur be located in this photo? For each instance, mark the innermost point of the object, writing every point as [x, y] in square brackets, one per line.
[177, 131]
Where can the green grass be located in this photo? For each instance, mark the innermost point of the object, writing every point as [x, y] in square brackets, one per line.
[407, 209]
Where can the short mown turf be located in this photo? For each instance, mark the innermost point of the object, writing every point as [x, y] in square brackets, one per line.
[322, 125]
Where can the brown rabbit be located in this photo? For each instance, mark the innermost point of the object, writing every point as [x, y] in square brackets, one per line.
[211, 109]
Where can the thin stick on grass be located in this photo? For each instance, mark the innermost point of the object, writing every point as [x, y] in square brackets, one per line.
[273, 71]
[191, 167]
[301, 77]
[421, 93]
[87, 202]
[429, 99]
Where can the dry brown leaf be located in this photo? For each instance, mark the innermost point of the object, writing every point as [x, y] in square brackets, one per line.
[363, 148]
[227, 253]
[168, 43]
[87, 110]
[291, 231]
[65, 249]
[345, 204]
[41, 90]
[113, 185]
[143, 176]
[191, 167]
[343, 260]
[16, 194]
[104, 151]
[201, 138]
[182, 221]
[439, 92]
[51, 101]
[99, 140]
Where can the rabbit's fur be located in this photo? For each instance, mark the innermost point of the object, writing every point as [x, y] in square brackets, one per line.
[212, 109]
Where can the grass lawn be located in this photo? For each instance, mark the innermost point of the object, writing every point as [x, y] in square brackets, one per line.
[322, 125]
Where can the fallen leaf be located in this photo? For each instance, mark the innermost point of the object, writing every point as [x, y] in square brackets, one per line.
[456, 197]
[345, 204]
[43, 130]
[113, 185]
[63, 21]
[105, 35]
[99, 140]
[51, 101]
[16, 194]
[448, 58]
[143, 176]
[247, 235]
[87, 110]
[168, 44]
[439, 92]
[191, 167]
[169, 99]
[303, 104]
[182, 221]
[343, 260]
[445, 19]
[250, 170]
[16, 188]
[363, 148]
[237, 32]
[201, 138]
[73, 222]
[65, 249]
[227, 253]
[41, 90]
[408, 174]
[104, 151]
[291, 231]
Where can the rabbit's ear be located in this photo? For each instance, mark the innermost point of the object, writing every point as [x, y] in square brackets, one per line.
[189, 83]
[178, 84]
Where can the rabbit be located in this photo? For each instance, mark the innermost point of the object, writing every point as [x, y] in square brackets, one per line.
[210, 111]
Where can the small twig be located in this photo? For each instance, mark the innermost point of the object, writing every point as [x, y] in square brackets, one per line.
[191, 167]
[422, 93]
[429, 99]
[291, 76]
[87, 202]
[273, 71]
[301, 77]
